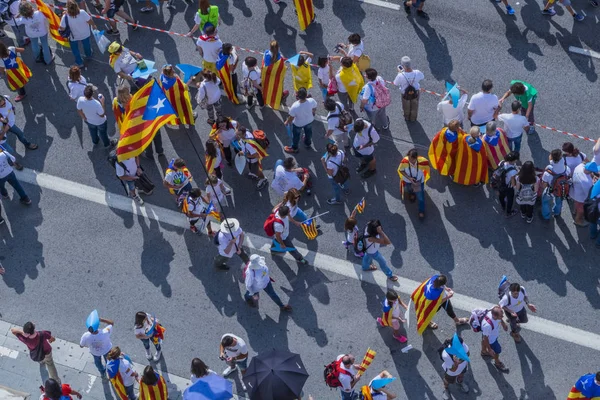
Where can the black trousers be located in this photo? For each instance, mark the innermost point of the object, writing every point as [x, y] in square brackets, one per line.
[447, 305]
[506, 198]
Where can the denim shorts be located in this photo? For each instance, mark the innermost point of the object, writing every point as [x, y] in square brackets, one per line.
[496, 347]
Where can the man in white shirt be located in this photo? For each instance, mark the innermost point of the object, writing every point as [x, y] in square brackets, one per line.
[454, 370]
[123, 60]
[7, 119]
[257, 279]
[231, 239]
[364, 147]
[286, 177]
[407, 81]
[281, 226]
[301, 117]
[449, 112]
[128, 171]
[556, 169]
[335, 130]
[513, 303]
[348, 376]
[490, 330]
[234, 351]
[92, 111]
[484, 105]
[514, 124]
[7, 161]
[209, 45]
[99, 343]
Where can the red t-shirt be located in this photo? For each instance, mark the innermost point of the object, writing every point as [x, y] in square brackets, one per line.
[66, 393]
[32, 343]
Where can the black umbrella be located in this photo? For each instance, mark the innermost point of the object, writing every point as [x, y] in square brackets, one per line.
[275, 375]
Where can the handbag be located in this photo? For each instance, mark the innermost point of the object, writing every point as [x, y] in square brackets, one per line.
[144, 183]
[415, 186]
[37, 354]
[342, 174]
[332, 87]
[66, 33]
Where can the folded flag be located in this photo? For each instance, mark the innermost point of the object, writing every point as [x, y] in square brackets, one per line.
[310, 229]
[360, 207]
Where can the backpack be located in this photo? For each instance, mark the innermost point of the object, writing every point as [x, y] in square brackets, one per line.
[590, 209]
[268, 226]
[332, 373]
[503, 289]
[261, 138]
[410, 93]
[5, 13]
[498, 180]
[447, 343]
[527, 193]
[560, 185]
[382, 95]
[477, 317]
[344, 116]
[360, 243]
[364, 62]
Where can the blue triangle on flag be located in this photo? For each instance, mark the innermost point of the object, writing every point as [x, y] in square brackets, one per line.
[188, 71]
[157, 104]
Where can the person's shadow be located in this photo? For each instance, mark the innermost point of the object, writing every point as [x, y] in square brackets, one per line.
[533, 375]
[155, 267]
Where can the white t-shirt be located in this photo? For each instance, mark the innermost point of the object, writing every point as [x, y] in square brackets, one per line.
[35, 26]
[80, 28]
[369, 90]
[356, 50]
[125, 63]
[195, 206]
[8, 112]
[145, 326]
[557, 168]
[303, 112]
[283, 228]
[573, 162]
[99, 344]
[362, 138]
[224, 238]
[252, 74]
[226, 137]
[333, 120]
[449, 112]
[449, 362]
[340, 84]
[515, 305]
[413, 171]
[345, 379]
[249, 150]
[483, 106]
[5, 167]
[513, 124]
[285, 180]
[92, 109]
[582, 183]
[236, 350]
[76, 88]
[323, 75]
[372, 247]
[126, 370]
[492, 331]
[210, 90]
[210, 49]
[293, 208]
[403, 79]
[257, 279]
[334, 162]
[131, 166]
[217, 187]
[377, 395]
[509, 174]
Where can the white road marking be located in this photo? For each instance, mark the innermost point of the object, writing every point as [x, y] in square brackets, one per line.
[319, 260]
[91, 380]
[381, 3]
[585, 52]
[6, 352]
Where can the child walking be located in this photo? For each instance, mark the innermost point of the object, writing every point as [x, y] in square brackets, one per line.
[391, 314]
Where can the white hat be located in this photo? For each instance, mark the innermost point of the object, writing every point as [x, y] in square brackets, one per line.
[256, 262]
[230, 224]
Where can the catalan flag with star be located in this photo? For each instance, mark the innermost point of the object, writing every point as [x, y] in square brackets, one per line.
[17, 73]
[149, 110]
[158, 391]
[272, 75]
[114, 375]
[586, 388]
[309, 228]
[360, 207]
[179, 96]
[211, 212]
[54, 23]
[427, 300]
[306, 13]
[224, 70]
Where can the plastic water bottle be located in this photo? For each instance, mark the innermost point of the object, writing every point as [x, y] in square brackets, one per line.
[407, 348]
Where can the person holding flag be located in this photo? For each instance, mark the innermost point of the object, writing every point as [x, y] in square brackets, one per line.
[350, 82]
[16, 72]
[392, 314]
[272, 76]
[147, 328]
[35, 22]
[121, 373]
[587, 387]
[429, 298]
[195, 207]
[178, 94]
[256, 278]
[414, 172]
[230, 239]
[152, 385]
[443, 148]
[226, 64]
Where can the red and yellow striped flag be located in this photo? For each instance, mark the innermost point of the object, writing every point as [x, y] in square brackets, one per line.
[442, 151]
[154, 392]
[119, 112]
[427, 300]
[112, 369]
[496, 147]
[366, 362]
[272, 82]
[54, 22]
[422, 165]
[471, 166]
[306, 13]
[224, 70]
[19, 76]
[179, 96]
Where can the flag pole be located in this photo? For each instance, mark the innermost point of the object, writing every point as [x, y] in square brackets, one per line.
[318, 215]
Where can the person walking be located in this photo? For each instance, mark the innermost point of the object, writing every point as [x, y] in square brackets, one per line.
[121, 373]
[514, 125]
[78, 23]
[526, 188]
[209, 46]
[525, 94]
[549, 9]
[233, 350]
[414, 171]
[364, 147]
[515, 303]
[36, 28]
[301, 116]
[375, 114]
[10, 17]
[112, 8]
[583, 180]
[454, 368]
[348, 376]
[7, 174]
[14, 69]
[230, 241]
[338, 120]
[375, 237]
[490, 332]
[254, 152]
[506, 190]
[484, 106]
[281, 228]
[392, 314]
[39, 345]
[93, 113]
[99, 343]
[416, 3]
[7, 118]
[291, 199]
[209, 96]
[252, 87]
[554, 184]
[257, 278]
[195, 206]
[128, 171]
[338, 174]
[147, 328]
[407, 81]
[153, 385]
[54, 390]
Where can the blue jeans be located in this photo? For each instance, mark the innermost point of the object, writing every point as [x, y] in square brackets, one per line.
[515, 143]
[324, 93]
[146, 343]
[99, 132]
[349, 395]
[300, 215]
[130, 392]
[594, 232]
[87, 49]
[98, 363]
[35, 47]
[270, 291]
[337, 189]
[368, 259]
[420, 195]
[297, 131]
[556, 209]
[12, 180]
[20, 135]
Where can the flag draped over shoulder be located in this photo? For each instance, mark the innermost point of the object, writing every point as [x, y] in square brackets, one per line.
[422, 164]
[310, 229]
[353, 81]
[157, 391]
[149, 110]
[17, 73]
[112, 369]
[471, 162]
[179, 96]
[306, 13]
[272, 76]
[386, 316]
[427, 300]
[224, 70]
[585, 389]
[442, 150]
[119, 112]
[496, 147]
[54, 23]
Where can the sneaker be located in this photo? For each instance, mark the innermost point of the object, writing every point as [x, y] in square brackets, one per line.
[380, 322]
[227, 371]
[148, 355]
[464, 387]
[423, 15]
[510, 10]
[26, 201]
[138, 199]
[549, 12]
[511, 214]
[290, 150]
[401, 339]
[333, 202]
[20, 97]
[387, 126]
[193, 229]
[147, 9]
[262, 183]
[578, 17]
[136, 26]
[529, 220]
[113, 32]
[594, 3]
[157, 355]
[446, 394]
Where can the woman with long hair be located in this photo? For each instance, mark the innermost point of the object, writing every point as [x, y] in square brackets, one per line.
[79, 23]
[290, 199]
[76, 83]
[526, 187]
[152, 385]
[16, 72]
[120, 105]
[573, 156]
[178, 94]
[147, 328]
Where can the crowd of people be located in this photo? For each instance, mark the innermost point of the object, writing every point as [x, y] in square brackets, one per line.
[485, 153]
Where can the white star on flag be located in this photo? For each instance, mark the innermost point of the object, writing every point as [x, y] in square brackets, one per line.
[159, 105]
[164, 80]
[12, 62]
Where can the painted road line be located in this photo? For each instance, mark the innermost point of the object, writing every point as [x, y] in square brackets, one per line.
[585, 52]
[6, 352]
[381, 3]
[320, 261]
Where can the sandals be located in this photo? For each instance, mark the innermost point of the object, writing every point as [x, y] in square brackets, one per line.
[462, 321]
[393, 278]
[32, 146]
[433, 325]
[372, 267]
[501, 367]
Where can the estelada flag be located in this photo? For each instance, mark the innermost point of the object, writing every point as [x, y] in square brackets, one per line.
[149, 110]
[310, 229]
[585, 388]
[496, 148]
[306, 13]
[471, 165]
[54, 23]
[272, 76]
[119, 110]
[112, 369]
[158, 391]
[353, 81]
[179, 96]
[427, 300]
[211, 162]
[224, 70]
[17, 73]
[442, 150]
[388, 310]
[422, 165]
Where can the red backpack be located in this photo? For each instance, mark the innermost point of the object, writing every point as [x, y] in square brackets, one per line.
[560, 185]
[332, 373]
[268, 225]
